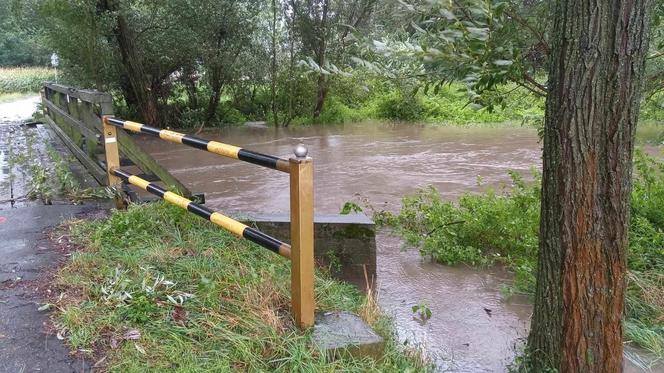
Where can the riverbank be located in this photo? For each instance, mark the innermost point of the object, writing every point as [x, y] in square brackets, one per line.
[156, 288]
[500, 227]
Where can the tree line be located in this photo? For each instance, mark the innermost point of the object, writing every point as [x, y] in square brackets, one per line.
[210, 61]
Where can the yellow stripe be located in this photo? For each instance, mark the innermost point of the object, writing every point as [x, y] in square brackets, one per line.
[223, 149]
[233, 226]
[171, 136]
[132, 126]
[135, 180]
[176, 199]
[285, 250]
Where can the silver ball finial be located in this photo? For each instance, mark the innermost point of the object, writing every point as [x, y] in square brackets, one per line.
[300, 151]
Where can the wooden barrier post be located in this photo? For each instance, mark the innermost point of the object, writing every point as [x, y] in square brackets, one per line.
[112, 160]
[302, 237]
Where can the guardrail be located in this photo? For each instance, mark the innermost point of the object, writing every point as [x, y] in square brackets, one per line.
[300, 169]
[75, 115]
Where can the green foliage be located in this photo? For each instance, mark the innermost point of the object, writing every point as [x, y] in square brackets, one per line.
[24, 79]
[18, 41]
[652, 109]
[349, 207]
[163, 289]
[397, 106]
[502, 228]
[422, 310]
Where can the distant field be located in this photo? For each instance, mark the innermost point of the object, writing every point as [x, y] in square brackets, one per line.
[23, 79]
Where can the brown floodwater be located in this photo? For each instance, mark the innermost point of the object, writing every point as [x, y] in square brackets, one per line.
[473, 327]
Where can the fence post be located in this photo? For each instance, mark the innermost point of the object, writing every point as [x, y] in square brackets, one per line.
[112, 159]
[302, 237]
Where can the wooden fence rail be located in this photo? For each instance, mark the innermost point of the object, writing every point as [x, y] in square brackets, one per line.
[75, 115]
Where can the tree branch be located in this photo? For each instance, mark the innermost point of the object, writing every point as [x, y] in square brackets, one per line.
[538, 34]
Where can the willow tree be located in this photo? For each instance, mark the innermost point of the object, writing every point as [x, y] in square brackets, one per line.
[595, 77]
[596, 53]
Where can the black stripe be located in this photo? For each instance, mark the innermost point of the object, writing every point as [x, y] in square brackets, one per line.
[118, 172]
[199, 210]
[262, 239]
[150, 130]
[195, 142]
[115, 121]
[156, 190]
[258, 158]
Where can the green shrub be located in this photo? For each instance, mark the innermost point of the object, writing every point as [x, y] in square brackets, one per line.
[24, 79]
[502, 227]
[336, 111]
[397, 106]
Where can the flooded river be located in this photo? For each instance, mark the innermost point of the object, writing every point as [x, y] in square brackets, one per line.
[472, 328]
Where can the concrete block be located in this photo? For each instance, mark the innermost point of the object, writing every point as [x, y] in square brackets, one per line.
[345, 244]
[338, 333]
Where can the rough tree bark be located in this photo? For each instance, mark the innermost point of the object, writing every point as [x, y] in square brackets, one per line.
[273, 66]
[320, 60]
[595, 76]
[139, 81]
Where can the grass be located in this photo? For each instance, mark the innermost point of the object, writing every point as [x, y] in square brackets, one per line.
[501, 227]
[14, 80]
[155, 288]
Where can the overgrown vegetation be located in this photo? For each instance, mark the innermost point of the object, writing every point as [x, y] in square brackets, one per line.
[156, 288]
[501, 228]
[23, 79]
[297, 62]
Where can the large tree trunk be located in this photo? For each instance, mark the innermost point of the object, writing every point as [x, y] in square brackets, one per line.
[216, 84]
[595, 77]
[273, 67]
[321, 92]
[140, 83]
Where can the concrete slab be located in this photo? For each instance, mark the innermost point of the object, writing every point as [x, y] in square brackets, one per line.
[339, 333]
[345, 244]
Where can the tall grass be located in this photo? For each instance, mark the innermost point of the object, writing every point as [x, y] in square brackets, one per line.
[23, 79]
[156, 289]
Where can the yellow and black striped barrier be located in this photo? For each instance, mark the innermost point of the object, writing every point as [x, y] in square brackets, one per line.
[234, 226]
[225, 150]
[301, 172]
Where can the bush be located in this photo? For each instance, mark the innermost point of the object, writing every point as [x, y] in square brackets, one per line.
[335, 111]
[397, 106]
[489, 228]
[24, 79]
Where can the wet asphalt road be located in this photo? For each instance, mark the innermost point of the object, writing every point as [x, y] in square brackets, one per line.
[26, 254]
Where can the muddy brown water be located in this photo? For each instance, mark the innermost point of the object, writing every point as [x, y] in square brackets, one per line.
[473, 327]
[383, 162]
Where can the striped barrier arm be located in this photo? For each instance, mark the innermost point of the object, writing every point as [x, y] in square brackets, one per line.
[223, 221]
[215, 147]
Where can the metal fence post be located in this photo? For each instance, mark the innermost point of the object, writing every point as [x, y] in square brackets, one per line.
[112, 160]
[302, 237]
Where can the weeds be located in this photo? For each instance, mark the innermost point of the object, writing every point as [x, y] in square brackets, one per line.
[199, 298]
[501, 227]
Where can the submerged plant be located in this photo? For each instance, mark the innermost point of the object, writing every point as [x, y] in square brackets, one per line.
[502, 227]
